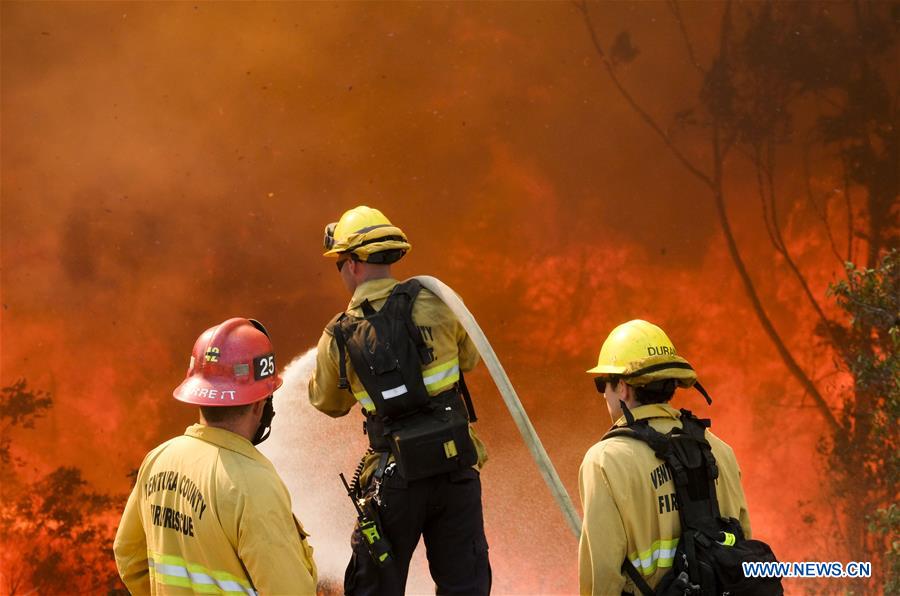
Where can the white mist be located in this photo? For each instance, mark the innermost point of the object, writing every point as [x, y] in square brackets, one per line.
[309, 449]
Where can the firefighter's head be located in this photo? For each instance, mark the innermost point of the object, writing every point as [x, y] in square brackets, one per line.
[232, 377]
[638, 365]
[365, 244]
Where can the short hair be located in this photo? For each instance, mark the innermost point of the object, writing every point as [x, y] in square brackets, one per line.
[220, 414]
[385, 257]
[657, 392]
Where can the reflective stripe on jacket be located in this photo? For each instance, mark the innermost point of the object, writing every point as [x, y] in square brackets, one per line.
[629, 508]
[210, 515]
[453, 352]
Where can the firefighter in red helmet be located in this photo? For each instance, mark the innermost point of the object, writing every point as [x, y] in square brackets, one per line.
[208, 512]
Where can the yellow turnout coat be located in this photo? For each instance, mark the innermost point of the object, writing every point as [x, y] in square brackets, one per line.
[629, 506]
[209, 514]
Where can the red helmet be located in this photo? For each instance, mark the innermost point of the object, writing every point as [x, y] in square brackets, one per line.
[233, 364]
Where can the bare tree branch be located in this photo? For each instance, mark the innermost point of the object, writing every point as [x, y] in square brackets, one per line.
[823, 212]
[750, 288]
[821, 95]
[782, 247]
[849, 205]
[645, 116]
[756, 160]
[719, 196]
[675, 7]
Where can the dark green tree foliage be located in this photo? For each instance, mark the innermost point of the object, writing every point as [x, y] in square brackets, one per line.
[55, 532]
[870, 351]
[19, 407]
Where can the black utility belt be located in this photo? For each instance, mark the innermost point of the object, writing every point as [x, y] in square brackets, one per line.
[430, 441]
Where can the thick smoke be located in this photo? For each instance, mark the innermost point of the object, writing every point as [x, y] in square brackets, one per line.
[168, 166]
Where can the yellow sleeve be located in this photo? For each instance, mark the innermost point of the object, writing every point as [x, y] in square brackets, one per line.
[744, 516]
[324, 394]
[603, 543]
[468, 353]
[271, 544]
[130, 546]
[729, 488]
[447, 335]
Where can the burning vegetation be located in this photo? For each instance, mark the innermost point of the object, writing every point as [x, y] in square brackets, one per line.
[565, 167]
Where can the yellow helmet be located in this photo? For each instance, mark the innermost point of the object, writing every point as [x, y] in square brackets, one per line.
[640, 353]
[368, 235]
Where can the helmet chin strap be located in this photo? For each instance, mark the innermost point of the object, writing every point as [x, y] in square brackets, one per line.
[265, 423]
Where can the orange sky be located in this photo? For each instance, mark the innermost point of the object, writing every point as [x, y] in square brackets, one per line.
[167, 166]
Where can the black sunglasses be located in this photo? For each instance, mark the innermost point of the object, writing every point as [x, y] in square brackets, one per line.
[340, 264]
[601, 382]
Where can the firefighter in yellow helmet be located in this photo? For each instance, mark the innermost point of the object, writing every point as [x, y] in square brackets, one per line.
[632, 524]
[364, 234]
[209, 513]
[399, 352]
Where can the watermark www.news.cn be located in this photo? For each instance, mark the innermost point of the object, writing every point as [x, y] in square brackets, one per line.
[807, 569]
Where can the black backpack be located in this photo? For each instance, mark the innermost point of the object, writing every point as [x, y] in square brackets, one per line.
[427, 435]
[712, 548]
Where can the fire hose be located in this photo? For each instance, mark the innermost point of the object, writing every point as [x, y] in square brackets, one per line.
[504, 386]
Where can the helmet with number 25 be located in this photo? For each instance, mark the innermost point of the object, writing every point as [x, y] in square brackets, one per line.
[232, 364]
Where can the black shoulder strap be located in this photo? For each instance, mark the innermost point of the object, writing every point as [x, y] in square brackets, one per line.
[696, 427]
[367, 308]
[629, 417]
[701, 504]
[637, 578]
[400, 304]
[642, 431]
[341, 342]
[470, 407]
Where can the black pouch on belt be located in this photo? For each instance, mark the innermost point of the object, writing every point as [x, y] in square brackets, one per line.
[433, 441]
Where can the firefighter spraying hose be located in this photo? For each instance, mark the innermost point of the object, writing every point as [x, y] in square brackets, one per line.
[510, 398]
[399, 351]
